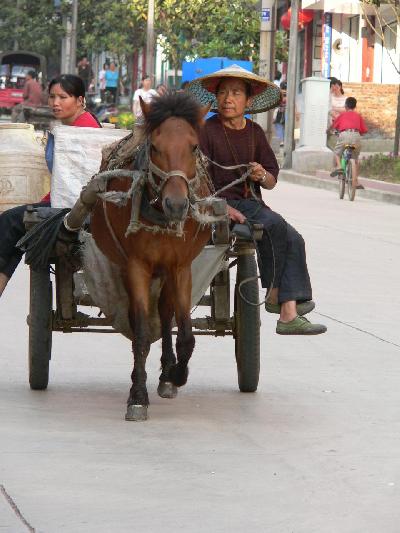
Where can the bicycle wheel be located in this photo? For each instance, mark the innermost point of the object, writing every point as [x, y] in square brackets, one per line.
[342, 184]
[351, 189]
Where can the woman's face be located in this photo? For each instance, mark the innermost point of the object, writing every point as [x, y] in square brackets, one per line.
[146, 84]
[336, 89]
[64, 106]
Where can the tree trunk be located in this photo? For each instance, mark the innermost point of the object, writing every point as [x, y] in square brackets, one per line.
[397, 131]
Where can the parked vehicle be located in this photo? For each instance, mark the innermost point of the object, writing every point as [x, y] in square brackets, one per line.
[13, 69]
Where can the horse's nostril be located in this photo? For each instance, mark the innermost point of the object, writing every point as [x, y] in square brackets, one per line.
[168, 203]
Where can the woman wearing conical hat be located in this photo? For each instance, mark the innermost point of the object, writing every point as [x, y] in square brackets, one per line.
[230, 139]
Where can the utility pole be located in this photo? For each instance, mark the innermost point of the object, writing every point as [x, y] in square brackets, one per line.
[16, 43]
[150, 39]
[291, 86]
[74, 26]
[267, 55]
[68, 44]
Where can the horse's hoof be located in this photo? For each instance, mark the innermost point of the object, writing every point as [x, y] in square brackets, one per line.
[166, 389]
[136, 413]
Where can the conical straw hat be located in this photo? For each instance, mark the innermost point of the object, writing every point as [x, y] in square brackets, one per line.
[265, 94]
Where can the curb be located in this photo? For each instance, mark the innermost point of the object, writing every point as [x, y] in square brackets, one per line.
[321, 183]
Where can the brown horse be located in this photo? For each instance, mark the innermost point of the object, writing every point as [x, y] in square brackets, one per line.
[172, 171]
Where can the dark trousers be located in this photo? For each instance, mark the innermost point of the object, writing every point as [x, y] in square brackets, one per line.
[12, 228]
[283, 245]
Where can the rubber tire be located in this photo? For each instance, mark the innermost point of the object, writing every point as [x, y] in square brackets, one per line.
[342, 185]
[247, 325]
[349, 171]
[40, 330]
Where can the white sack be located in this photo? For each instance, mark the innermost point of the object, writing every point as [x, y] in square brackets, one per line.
[77, 157]
[104, 284]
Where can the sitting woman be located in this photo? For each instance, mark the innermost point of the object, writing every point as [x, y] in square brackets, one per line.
[67, 100]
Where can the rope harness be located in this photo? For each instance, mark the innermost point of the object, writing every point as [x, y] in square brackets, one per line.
[155, 221]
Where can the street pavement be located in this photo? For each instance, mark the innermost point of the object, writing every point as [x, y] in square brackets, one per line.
[315, 450]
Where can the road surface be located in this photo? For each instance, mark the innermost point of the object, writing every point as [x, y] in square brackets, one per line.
[315, 450]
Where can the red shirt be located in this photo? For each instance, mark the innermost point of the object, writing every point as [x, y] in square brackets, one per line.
[86, 120]
[32, 94]
[350, 120]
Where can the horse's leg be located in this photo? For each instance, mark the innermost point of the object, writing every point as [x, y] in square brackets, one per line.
[166, 389]
[185, 339]
[139, 279]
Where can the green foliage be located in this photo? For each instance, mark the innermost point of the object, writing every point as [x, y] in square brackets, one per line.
[382, 167]
[205, 28]
[118, 27]
[126, 121]
[281, 46]
[34, 24]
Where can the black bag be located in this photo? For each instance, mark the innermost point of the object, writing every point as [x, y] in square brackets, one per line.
[280, 117]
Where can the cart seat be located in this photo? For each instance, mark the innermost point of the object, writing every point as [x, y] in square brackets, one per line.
[248, 232]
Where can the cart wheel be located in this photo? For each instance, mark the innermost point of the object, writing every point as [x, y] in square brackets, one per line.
[40, 328]
[247, 325]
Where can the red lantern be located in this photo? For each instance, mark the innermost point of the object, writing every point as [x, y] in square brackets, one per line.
[305, 17]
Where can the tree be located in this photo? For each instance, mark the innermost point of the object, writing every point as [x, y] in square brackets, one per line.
[118, 27]
[34, 25]
[384, 20]
[205, 28]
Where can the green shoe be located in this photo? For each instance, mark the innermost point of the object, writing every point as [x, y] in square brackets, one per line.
[302, 308]
[299, 326]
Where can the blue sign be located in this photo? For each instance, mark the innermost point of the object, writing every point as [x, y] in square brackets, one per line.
[266, 14]
[327, 45]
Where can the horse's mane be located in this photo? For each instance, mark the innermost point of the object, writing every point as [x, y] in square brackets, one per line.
[173, 104]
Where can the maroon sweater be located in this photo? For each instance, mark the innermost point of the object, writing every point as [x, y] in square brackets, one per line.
[248, 144]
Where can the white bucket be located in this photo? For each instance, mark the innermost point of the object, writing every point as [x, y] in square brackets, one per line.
[24, 177]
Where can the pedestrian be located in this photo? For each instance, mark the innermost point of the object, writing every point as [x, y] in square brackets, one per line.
[277, 79]
[350, 126]
[337, 99]
[146, 93]
[32, 96]
[230, 139]
[67, 100]
[112, 77]
[102, 80]
[280, 117]
[85, 72]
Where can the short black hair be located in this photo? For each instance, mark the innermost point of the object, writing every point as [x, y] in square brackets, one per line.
[32, 74]
[71, 84]
[350, 103]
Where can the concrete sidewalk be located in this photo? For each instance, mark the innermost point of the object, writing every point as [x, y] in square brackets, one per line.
[374, 189]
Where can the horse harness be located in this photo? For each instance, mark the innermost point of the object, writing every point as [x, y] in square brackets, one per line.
[148, 179]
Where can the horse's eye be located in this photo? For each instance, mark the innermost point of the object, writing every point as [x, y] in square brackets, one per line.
[195, 147]
[154, 148]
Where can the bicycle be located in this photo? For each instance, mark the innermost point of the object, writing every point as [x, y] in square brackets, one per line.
[348, 165]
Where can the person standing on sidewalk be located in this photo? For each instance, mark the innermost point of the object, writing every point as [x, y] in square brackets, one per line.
[229, 139]
[147, 94]
[112, 77]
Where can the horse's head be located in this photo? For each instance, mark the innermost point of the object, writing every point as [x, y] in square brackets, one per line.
[172, 124]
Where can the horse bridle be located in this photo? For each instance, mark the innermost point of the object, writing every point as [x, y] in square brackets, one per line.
[154, 170]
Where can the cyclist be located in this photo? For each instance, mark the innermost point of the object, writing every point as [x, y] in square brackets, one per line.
[351, 126]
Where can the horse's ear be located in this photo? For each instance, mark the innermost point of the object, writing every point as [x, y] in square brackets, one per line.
[145, 107]
[203, 111]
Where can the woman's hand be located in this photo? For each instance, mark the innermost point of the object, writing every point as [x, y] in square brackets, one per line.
[236, 215]
[262, 176]
[257, 172]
